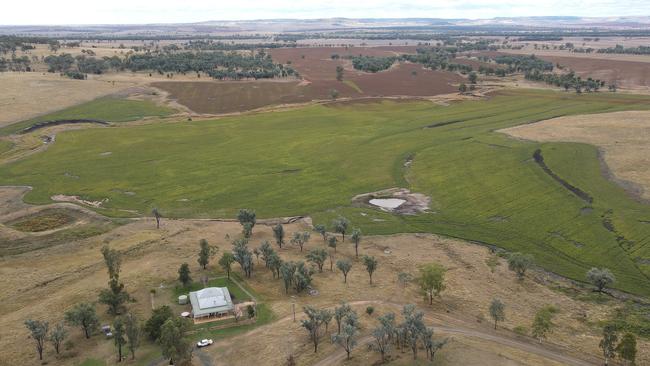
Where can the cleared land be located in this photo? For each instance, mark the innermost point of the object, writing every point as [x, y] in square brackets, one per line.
[484, 186]
[624, 138]
[27, 95]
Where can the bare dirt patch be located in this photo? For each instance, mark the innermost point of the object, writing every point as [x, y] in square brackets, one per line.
[76, 199]
[623, 136]
[42, 221]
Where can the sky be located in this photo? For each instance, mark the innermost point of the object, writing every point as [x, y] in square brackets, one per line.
[186, 11]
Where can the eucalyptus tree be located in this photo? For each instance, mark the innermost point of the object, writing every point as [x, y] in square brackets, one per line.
[341, 226]
[318, 257]
[38, 331]
[356, 239]
[300, 239]
[344, 265]
[371, 265]
[278, 233]
[320, 228]
[497, 311]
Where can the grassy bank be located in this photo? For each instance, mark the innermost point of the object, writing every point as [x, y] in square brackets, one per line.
[110, 109]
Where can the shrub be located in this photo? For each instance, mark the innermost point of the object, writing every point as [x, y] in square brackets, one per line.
[520, 330]
[370, 310]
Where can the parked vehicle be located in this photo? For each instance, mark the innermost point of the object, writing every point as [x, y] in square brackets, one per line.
[204, 343]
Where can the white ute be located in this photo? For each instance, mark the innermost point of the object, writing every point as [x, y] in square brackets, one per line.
[204, 343]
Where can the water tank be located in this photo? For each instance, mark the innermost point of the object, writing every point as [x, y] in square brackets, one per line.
[182, 300]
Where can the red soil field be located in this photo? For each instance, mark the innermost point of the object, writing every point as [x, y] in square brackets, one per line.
[628, 74]
[318, 71]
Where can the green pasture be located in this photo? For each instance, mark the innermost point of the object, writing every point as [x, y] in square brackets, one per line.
[5, 145]
[485, 186]
[110, 109]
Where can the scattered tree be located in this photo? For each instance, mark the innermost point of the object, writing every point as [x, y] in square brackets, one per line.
[472, 77]
[328, 315]
[300, 239]
[132, 330]
[431, 280]
[371, 265]
[600, 278]
[119, 336]
[608, 342]
[627, 348]
[173, 342]
[356, 239]
[315, 319]
[331, 242]
[320, 228]
[38, 330]
[205, 253]
[243, 255]
[462, 88]
[155, 322]
[57, 336]
[339, 73]
[184, 274]
[334, 94]
[497, 311]
[278, 233]
[115, 296]
[519, 263]
[341, 225]
[383, 335]
[340, 313]
[267, 251]
[344, 265]
[413, 327]
[226, 262]
[247, 218]
[85, 316]
[347, 338]
[431, 345]
[318, 257]
[403, 278]
[156, 214]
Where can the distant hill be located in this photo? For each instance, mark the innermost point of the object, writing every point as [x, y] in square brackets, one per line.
[271, 26]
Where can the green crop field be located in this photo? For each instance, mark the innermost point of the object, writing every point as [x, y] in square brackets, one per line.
[484, 186]
[110, 109]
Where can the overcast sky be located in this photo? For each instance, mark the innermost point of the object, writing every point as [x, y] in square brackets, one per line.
[181, 11]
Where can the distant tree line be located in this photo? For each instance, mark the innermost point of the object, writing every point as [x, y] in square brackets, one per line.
[210, 45]
[217, 64]
[639, 50]
[13, 43]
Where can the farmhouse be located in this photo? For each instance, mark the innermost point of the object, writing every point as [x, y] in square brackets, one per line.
[211, 301]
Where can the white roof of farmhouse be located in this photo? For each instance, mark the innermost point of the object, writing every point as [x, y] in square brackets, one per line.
[211, 300]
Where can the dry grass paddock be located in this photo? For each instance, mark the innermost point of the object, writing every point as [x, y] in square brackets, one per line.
[623, 136]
